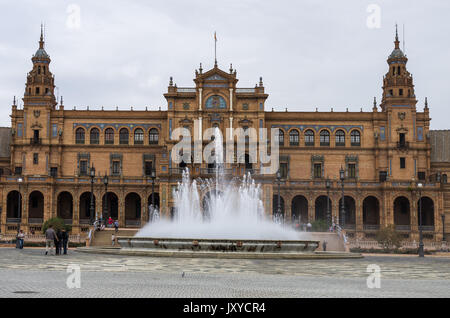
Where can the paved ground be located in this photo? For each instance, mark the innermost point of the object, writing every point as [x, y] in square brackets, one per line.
[29, 273]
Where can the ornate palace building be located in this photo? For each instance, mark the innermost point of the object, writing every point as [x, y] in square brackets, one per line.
[47, 154]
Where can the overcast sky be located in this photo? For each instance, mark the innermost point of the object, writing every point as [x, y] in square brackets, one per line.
[310, 53]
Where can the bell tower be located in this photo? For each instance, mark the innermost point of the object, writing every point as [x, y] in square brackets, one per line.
[39, 88]
[398, 87]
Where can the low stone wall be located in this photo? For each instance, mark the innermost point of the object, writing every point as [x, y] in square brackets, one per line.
[77, 238]
[429, 246]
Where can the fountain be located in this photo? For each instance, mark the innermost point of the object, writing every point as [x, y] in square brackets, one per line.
[219, 214]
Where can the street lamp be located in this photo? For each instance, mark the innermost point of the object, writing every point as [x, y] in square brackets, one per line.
[342, 177]
[92, 173]
[153, 175]
[19, 212]
[443, 226]
[328, 186]
[105, 182]
[421, 253]
[279, 203]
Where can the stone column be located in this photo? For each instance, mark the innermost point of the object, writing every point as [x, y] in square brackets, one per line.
[200, 95]
[231, 99]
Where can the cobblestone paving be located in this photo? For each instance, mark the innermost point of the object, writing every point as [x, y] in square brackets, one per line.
[29, 270]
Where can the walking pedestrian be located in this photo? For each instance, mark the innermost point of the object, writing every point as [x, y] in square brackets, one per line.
[324, 246]
[58, 242]
[21, 237]
[110, 222]
[113, 239]
[50, 238]
[65, 240]
[116, 225]
[309, 227]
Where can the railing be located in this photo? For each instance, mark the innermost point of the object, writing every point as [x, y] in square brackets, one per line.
[371, 227]
[186, 90]
[68, 221]
[245, 90]
[132, 222]
[427, 228]
[35, 220]
[13, 220]
[403, 145]
[404, 244]
[349, 226]
[403, 227]
[36, 141]
[84, 221]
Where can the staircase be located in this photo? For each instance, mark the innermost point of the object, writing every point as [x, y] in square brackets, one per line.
[103, 238]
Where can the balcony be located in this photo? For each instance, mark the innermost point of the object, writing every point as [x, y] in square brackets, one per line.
[371, 227]
[13, 220]
[35, 141]
[35, 220]
[403, 145]
[403, 227]
[428, 228]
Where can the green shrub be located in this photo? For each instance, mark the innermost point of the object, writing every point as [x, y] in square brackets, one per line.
[319, 226]
[58, 224]
[389, 238]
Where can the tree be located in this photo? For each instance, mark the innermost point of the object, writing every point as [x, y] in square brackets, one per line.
[388, 237]
[58, 224]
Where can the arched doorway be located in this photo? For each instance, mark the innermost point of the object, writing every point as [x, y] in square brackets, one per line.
[348, 218]
[275, 215]
[402, 216]
[13, 207]
[299, 209]
[371, 213]
[132, 209]
[321, 207]
[64, 208]
[427, 212]
[111, 209]
[85, 208]
[36, 208]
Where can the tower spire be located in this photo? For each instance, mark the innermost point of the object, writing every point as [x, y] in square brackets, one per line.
[215, 49]
[397, 42]
[41, 40]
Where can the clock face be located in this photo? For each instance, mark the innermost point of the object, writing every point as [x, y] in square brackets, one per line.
[216, 101]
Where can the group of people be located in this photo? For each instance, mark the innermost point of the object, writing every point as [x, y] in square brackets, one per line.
[58, 240]
[99, 225]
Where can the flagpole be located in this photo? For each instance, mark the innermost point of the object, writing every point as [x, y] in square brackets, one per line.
[215, 49]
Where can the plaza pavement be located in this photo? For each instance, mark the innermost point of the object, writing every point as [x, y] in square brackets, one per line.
[29, 273]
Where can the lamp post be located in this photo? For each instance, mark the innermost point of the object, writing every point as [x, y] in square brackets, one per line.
[421, 252]
[105, 182]
[19, 212]
[92, 173]
[153, 194]
[279, 203]
[328, 186]
[342, 177]
[443, 226]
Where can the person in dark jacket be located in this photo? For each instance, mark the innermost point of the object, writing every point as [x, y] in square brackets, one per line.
[58, 243]
[65, 240]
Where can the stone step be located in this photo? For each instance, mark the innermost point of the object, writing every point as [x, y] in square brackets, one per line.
[103, 238]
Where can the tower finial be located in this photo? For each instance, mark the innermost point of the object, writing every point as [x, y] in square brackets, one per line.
[215, 50]
[426, 103]
[396, 42]
[14, 101]
[41, 40]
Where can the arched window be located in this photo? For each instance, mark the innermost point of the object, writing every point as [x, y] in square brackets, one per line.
[293, 137]
[138, 136]
[79, 136]
[324, 138]
[95, 136]
[340, 138]
[153, 136]
[355, 138]
[309, 138]
[444, 178]
[281, 137]
[123, 136]
[109, 136]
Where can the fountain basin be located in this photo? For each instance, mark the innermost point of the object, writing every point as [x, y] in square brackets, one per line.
[217, 245]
